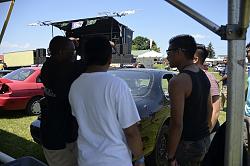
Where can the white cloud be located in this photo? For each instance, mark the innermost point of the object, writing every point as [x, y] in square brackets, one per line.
[199, 36]
[7, 45]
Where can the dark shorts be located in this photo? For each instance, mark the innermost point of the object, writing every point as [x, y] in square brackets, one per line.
[246, 133]
[191, 153]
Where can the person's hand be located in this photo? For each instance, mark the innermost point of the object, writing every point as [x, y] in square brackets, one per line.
[140, 161]
[139, 164]
[173, 163]
[218, 81]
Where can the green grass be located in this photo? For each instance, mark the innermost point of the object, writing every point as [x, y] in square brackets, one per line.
[159, 66]
[222, 117]
[15, 137]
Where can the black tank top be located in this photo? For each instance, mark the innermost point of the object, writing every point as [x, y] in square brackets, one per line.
[195, 124]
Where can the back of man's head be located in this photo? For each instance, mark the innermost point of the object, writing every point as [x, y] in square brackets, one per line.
[57, 44]
[201, 52]
[186, 43]
[98, 51]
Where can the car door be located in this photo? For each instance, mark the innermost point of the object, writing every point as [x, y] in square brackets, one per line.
[40, 86]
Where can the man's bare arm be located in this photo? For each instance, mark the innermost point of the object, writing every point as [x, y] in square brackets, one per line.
[133, 137]
[216, 110]
[210, 111]
[177, 100]
[223, 78]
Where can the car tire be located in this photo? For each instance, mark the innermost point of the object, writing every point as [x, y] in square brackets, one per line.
[158, 156]
[33, 106]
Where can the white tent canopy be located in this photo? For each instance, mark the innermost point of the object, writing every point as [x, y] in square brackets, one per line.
[151, 54]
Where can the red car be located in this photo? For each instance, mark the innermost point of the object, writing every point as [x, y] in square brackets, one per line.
[21, 89]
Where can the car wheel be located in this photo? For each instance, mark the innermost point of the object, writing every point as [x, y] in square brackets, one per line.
[33, 107]
[158, 156]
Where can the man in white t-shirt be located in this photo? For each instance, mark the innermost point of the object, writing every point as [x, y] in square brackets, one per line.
[105, 111]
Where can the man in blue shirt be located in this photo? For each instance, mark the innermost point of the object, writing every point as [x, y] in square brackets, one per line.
[247, 105]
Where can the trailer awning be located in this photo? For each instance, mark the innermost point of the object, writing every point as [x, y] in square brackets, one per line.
[89, 26]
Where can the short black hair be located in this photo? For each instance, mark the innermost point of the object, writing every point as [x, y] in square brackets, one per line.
[202, 51]
[58, 43]
[97, 50]
[248, 45]
[186, 43]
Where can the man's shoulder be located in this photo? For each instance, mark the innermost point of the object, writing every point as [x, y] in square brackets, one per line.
[181, 77]
[180, 80]
[104, 77]
[116, 80]
[210, 76]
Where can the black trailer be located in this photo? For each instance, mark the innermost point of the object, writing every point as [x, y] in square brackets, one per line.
[107, 26]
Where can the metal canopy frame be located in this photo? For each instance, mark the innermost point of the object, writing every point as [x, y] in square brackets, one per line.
[235, 33]
[7, 17]
[1, 1]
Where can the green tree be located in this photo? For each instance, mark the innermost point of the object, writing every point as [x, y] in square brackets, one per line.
[210, 49]
[154, 47]
[140, 43]
[143, 43]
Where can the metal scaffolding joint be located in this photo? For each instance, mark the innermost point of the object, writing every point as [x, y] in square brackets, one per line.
[232, 32]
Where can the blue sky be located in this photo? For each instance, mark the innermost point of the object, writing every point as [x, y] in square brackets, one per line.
[154, 19]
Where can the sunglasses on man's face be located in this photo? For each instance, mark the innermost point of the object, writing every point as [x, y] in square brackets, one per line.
[171, 49]
[175, 49]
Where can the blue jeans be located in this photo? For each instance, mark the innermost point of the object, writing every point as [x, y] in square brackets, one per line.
[191, 153]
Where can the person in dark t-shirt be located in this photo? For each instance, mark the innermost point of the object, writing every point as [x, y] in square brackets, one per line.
[58, 126]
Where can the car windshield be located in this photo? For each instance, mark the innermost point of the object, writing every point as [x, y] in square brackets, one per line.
[19, 74]
[138, 82]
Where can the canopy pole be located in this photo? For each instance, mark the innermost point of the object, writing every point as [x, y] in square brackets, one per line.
[6, 20]
[244, 14]
[195, 15]
[236, 95]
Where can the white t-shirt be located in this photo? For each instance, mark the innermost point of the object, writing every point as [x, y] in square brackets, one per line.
[103, 106]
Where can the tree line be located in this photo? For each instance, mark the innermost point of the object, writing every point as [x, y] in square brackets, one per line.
[143, 43]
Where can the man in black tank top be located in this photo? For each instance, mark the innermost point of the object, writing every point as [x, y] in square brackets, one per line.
[190, 103]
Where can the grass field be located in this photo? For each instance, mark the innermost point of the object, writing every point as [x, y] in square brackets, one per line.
[15, 137]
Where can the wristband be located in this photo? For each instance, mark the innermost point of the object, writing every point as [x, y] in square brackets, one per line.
[171, 159]
[140, 160]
